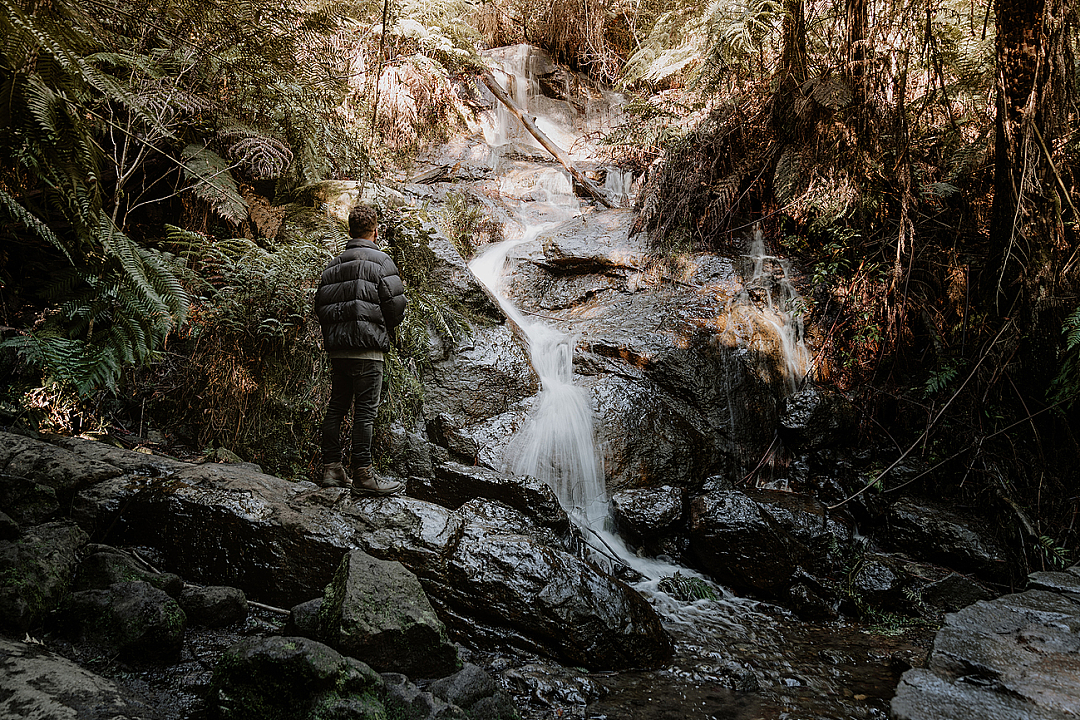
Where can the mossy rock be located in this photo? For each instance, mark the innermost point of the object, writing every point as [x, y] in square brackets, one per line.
[293, 678]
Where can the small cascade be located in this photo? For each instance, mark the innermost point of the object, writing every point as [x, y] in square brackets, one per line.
[619, 185]
[767, 315]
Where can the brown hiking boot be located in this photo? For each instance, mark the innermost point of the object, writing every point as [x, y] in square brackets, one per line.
[368, 483]
[334, 475]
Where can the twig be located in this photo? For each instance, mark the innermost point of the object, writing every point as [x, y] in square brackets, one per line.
[271, 608]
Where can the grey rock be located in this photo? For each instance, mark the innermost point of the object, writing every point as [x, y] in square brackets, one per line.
[738, 543]
[408, 702]
[63, 471]
[648, 511]
[466, 687]
[37, 684]
[758, 540]
[953, 592]
[880, 581]
[26, 501]
[292, 678]
[938, 534]
[455, 484]
[555, 685]
[487, 374]
[304, 619]
[651, 518]
[814, 418]
[9, 529]
[134, 620]
[294, 535]
[213, 606]
[376, 610]
[1060, 582]
[35, 573]
[1017, 656]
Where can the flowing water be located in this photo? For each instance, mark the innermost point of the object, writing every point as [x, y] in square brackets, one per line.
[736, 658]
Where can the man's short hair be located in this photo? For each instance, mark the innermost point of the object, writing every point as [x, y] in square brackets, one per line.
[362, 220]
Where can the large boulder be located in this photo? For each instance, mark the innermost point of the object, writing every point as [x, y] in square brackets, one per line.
[476, 692]
[760, 540]
[44, 464]
[38, 684]
[931, 531]
[454, 485]
[35, 573]
[26, 501]
[652, 518]
[486, 579]
[104, 566]
[376, 611]
[1017, 656]
[213, 606]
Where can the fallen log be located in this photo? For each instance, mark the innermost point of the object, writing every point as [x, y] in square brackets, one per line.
[544, 140]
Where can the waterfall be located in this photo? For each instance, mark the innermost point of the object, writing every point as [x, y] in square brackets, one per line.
[557, 444]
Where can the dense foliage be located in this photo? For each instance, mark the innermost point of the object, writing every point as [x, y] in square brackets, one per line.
[922, 163]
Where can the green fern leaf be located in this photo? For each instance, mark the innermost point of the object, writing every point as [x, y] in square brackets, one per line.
[211, 180]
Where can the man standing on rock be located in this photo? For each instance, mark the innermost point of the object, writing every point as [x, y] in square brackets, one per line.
[360, 302]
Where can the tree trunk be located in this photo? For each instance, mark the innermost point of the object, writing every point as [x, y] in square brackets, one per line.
[1028, 235]
[791, 72]
[544, 140]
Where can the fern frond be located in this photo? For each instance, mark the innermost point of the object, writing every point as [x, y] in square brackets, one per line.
[260, 155]
[211, 180]
[20, 214]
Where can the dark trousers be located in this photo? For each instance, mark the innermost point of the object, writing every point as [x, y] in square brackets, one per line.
[358, 383]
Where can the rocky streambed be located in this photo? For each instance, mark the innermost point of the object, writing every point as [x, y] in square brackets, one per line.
[140, 586]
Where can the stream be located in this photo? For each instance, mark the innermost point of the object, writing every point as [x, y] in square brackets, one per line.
[735, 658]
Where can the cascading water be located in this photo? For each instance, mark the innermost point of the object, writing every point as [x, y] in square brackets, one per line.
[557, 444]
[721, 642]
[769, 299]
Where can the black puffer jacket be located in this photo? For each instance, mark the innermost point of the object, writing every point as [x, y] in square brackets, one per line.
[360, 300]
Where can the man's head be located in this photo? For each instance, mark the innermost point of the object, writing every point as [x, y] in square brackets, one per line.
[363, 221]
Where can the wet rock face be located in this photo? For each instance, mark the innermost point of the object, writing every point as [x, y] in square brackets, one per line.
[1014, 657]
[673, 400]
[649, 517]
[376, 610]
[486, 376]
[936, 533]
[759, 540]
[43, 464]
[589, 618]
[488, 574]
[814, 418]
[38, 684]
[454, 485]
